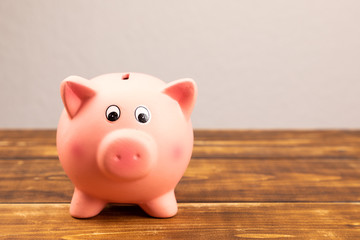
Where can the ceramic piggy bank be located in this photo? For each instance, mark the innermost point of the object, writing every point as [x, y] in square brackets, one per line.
[125, 138]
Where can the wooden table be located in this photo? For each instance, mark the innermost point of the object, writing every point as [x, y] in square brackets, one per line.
[239, 185]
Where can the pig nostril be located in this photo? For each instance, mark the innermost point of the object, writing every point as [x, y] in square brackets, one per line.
[136, 157]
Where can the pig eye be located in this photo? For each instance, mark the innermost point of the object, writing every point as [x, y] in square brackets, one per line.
[142, 114]
[112, 113]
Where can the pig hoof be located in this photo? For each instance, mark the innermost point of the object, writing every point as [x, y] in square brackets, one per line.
[84, 206]
[164, 206]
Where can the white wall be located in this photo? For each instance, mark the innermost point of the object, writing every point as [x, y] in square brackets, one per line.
[258, 64]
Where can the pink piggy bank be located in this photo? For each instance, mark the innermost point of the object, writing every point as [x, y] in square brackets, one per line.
[125, 138]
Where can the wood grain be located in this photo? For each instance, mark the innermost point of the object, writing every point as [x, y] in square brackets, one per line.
[214, 180]
[194, 221]
[253, 180]
[240, 184]
[34, 180]
[27, 144]
[286, 144]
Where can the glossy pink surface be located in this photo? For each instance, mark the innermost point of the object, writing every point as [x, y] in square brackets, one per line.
[125, 138]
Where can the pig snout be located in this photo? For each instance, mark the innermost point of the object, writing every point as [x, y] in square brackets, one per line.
[127, 154]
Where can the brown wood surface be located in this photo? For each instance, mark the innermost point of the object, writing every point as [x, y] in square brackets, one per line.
[215, 180]
[239, 185]
[194, 221]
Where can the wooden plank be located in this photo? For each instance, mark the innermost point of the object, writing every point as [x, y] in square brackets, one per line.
[240, 185]
[194, 221]
[269, 135]
[34, 180]
[206, 180]
[285, 144]
[271, 180]
[28, 144]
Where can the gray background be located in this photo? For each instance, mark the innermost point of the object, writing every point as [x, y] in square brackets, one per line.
[258, 64]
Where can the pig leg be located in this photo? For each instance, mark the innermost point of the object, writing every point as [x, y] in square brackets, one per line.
[84, 206]
[164, 206]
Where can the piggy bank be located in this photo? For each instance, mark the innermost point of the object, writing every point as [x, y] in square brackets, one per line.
[125, 138]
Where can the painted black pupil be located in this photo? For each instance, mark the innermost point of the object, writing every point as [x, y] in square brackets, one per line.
[113, 116]
[143, 118]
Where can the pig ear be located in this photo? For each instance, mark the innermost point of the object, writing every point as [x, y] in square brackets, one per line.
[184, 91]
[75, 91]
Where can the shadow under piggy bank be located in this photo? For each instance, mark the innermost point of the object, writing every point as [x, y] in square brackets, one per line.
[119, 211]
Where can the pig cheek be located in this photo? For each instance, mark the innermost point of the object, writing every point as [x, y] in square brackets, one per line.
[177, 152]
[81, 160]
[77, 150]
[80, 154]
